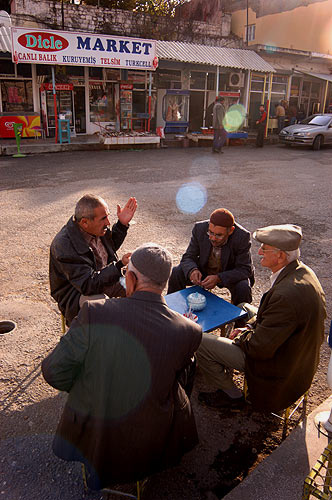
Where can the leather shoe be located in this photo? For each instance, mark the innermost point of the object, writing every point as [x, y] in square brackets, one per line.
[219, 399]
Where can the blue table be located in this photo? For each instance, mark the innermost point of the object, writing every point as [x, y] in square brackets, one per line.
[217, 311]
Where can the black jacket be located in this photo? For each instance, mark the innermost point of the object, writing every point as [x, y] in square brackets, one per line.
[73, 269]
[127, 415]
[236, 258]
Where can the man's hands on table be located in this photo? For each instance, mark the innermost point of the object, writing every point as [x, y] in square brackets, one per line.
[209, 282]
[195, 277]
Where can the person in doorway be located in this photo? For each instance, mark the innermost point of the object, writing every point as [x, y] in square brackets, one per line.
[128, 366]
[83, 261]
[218, 255]
[261, 123]
[219, 135]
[279, 349]
[280, 115]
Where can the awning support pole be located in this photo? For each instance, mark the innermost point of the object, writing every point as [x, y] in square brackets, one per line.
[55, 109]
[217, 82]
[149, 100]
[325, 96]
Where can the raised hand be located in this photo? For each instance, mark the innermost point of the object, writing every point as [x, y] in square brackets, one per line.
[126, 213]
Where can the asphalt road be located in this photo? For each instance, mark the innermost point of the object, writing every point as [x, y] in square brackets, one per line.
[260, 186]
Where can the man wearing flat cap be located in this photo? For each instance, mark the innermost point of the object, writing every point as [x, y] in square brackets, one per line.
[218, 255]
[279, 349]
[127, 366]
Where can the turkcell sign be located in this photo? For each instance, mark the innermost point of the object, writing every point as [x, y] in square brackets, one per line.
[40, 46]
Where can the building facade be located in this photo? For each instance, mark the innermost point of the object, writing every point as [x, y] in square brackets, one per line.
[94, 94]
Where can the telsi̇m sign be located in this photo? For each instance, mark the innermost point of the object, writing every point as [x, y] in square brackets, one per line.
[41, 46]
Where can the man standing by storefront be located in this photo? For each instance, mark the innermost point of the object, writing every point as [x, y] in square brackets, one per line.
[261, 127]
[219, 136]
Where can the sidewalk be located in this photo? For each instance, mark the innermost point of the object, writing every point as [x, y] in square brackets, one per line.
[281, 475]
[86, 143]
[37, 146]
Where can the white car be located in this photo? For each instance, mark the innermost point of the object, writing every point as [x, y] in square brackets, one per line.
[314, 131]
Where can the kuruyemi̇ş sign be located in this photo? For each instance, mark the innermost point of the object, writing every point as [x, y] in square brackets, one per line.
[82, 49]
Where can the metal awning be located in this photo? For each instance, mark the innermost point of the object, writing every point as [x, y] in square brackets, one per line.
[213, 56]
[5, 39]
[321, 76]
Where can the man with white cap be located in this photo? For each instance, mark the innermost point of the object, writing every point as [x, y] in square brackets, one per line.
[279, 349]
[127, 364]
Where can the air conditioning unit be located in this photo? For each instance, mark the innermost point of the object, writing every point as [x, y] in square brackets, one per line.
[236, 79]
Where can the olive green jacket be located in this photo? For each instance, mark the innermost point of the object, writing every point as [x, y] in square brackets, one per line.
[282, 351]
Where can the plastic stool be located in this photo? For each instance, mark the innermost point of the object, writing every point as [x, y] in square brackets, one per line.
[64, 131]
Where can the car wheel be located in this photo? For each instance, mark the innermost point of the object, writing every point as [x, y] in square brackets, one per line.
[317, 143]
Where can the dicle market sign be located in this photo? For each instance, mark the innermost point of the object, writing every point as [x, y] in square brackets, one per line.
[82, 49]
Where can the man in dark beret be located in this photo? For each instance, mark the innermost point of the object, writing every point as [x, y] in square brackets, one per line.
[218, 255]
[279, 349]
[127, 365]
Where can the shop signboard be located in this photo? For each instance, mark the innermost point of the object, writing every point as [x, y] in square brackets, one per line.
[42, 46]
[30, 125]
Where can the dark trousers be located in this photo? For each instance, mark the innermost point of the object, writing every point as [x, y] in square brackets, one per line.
[281, 123]
[219, 138]
[260, 135]
[240, 291]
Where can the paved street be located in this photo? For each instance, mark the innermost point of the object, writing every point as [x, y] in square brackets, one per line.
[265, 186]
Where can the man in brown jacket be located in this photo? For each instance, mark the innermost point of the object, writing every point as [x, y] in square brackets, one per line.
[127, 366]
[279, 349]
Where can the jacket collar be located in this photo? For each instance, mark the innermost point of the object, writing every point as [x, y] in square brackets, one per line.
[149, 297]
[287, 270]
[76, 237]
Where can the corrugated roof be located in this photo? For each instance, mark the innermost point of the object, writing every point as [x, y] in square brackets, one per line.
[5, 39]
[321, 76]
[189, 52]
[213, 56]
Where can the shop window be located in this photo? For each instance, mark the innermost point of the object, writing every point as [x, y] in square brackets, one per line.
[197, 80]
[211, 81]
[112, 74]
[257, 83]
[138, 79]
[306, 89]
[96, 73]
[279, 86]
[7, 67]
[101, 97]
[24, 70]
[295, 87]
[315, 90]
[16, 96]
[169, 79]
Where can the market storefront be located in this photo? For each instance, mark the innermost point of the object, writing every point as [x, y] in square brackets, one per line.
[100, 81]
[190, 76]
[112, 83]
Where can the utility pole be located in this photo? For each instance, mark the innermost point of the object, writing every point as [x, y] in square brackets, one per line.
[247, 32]
[62, 16]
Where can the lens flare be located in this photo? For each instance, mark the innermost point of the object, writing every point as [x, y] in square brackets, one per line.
[234, 118]
[191, 197]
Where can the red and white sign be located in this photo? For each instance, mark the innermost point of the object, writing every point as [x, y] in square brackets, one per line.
[82, 49]
[58, 86]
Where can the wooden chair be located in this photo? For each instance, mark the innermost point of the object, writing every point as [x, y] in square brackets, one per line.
[63, 324]
[318, 481]
[139, 488]
[287, 412]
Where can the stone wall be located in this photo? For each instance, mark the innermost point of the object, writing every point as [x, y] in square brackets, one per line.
[48, 14]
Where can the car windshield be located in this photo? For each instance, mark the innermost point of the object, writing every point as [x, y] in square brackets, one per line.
[316, 120]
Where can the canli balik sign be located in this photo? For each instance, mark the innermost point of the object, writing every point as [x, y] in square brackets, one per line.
[82, 49]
